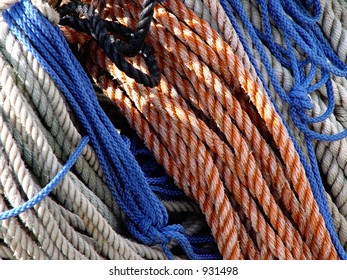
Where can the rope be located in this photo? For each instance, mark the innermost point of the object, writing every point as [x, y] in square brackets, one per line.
[135, 222]
[335, 177]
[46, 161]
[98, 28]
[235, 159]
[68, 198]
[43, 95]
[170, 129]
[5, 4]
[136, 43]
[286, 79]
[47, 189]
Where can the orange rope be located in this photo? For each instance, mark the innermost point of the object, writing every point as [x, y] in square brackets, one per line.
[197, 123]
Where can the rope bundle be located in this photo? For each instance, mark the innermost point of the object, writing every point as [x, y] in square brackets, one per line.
[84, 214]
[35, 118]
[329, 155]
[199, 115]
[194, 86]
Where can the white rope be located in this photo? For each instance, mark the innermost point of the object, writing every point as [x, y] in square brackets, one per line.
[5, 4]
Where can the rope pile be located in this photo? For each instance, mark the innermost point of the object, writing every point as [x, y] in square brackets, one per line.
[176, 138]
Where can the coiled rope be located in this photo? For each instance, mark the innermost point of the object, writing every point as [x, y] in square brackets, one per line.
[331, 156]
[188, 50]
[321, 47]
[141, 227]
[57, 229]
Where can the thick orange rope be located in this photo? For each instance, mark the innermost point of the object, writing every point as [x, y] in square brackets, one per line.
[257, 203]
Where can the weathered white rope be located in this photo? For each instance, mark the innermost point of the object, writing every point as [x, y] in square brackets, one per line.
[48, 165]
[48, 102]
[44, 226]
[5, 4]
[34, 82]
[5, 252]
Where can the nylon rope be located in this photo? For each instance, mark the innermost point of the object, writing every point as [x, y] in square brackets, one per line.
[170, 101]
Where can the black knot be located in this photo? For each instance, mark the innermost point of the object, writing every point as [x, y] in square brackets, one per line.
[113, 47]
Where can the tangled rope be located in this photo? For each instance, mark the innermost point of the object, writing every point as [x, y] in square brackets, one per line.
[42, 94]
[328, 154]
[220, 117]
[57, 229]
[99, 30]
[328, 159]
[228, 166]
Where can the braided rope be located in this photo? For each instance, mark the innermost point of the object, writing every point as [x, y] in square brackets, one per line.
[141, 96]
[226, 29]
[63, 135]
[206, 132]
[329, 125]
[44, 167]
[28, 185]
[185, 16]
[153, 228]
[42, 94]
[329, 167]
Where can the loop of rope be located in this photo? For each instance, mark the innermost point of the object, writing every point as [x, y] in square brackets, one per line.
[136, 43]
[112, 46]
[299, 28]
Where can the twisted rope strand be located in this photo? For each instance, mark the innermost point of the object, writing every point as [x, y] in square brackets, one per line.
[169, 230]
[238, 49]
[61, 127]
[285, 78]
[194, 176]
[170, 5]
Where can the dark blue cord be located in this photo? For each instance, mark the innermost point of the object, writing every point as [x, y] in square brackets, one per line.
[160, 183]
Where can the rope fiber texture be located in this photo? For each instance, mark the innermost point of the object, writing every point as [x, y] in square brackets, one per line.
[87, 214]
[201, 127]
[99, 30]
[329, 100]
[231, 128]
[35, 118]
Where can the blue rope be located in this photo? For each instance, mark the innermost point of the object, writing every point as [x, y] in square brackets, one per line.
[160, 183]
[147, 219]
[163, 186]
[49, 187]
[299, 28]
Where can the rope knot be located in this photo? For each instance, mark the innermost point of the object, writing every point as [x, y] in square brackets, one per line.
[300, 99]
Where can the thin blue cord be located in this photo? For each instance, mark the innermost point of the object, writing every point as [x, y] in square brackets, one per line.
[309, 38]
[147, 219]
[49, 187]
[160, 183]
